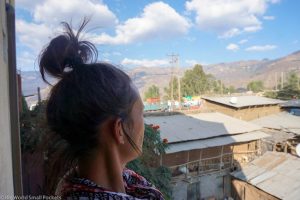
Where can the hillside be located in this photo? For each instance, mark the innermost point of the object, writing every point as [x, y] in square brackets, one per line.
[240, 73]
[237, 74]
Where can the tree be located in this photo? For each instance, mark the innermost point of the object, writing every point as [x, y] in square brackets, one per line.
[255, 86]
[231, 89]
[152, 92]
[291, 88]
[148, 165]
[194, 82]
[168, 90]
[293, 81]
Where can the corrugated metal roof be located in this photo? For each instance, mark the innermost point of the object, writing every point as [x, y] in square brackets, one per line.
[213, 142]
[275, 173]
[292, 103]
[283, 121]
[179, 128]
[245, 101]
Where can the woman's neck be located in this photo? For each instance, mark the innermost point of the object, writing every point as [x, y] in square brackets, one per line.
[105, 169]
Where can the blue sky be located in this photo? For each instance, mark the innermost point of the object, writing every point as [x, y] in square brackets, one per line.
[143, 32]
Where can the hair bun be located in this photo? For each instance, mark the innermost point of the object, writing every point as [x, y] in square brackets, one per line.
[66, 51]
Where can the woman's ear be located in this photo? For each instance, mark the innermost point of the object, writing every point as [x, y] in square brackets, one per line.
[118, 131]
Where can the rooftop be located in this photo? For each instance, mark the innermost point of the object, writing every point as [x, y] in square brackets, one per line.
[295, 103]
[275, 173]
[280, 121]
[216, 141]
[244, 101]
[179, 128]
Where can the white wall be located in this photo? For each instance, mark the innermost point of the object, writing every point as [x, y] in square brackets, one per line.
[215, 185]
[6, 172]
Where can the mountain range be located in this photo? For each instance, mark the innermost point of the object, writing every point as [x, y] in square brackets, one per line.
[237, 74]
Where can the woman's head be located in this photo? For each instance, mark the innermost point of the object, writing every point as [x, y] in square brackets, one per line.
[92, 103]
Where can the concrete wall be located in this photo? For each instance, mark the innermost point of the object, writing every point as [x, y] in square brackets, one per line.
[243, 191]
[211, 186]
[6, 172]
[199, 174]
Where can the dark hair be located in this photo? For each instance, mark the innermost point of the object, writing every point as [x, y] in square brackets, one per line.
[86, 94]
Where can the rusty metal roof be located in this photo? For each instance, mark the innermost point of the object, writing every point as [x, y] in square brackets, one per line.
[275, 173]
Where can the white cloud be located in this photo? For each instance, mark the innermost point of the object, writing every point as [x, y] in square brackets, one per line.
[193, 62]
[47, 15]
[243, 41]
[33, 35]
[108, 54]
[229, 17]
[261, 48]
[52, 12]
[158, 20]
[230, 33]
[28, 4]
[146, 62]
[269, 17]
[26, 61]
[55, 11]
[233, 47]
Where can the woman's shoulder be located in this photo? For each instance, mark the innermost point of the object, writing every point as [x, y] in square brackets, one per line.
[139, 186]
[133, 178]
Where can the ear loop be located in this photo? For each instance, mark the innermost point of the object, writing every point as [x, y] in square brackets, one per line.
[132, 143]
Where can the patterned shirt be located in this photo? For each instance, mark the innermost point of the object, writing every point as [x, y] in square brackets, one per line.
[136, 187]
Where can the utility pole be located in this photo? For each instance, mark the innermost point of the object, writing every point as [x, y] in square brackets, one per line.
[179, 92]
[173, 62]
[39, 95]
[281, 80]
[276, 81]
[221, 87]
[298, 82]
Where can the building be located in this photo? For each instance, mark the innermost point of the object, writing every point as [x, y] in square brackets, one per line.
[10, 159]
[284, 131]
[243, 107]
[273, 176]
[292, 106]
[203, 148]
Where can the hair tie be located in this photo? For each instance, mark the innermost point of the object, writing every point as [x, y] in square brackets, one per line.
[73, 62]
[77, 60]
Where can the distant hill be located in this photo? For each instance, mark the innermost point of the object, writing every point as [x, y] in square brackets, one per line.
[237, 74]
[144, 77]
[240, 73]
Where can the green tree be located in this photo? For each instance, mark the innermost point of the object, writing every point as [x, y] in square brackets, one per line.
[194, 82]
[168, 89]
[232, 89]
[152, 92]
[148, 164]
[291, 88]
[293, 81]
[256, 86]
[271, 94]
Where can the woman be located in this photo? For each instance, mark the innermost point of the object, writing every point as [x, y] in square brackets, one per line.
[96, 114]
